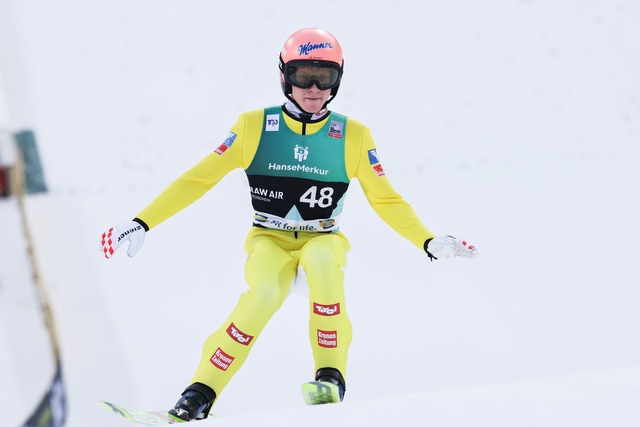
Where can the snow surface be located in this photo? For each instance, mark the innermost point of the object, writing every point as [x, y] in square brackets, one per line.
[513, 124]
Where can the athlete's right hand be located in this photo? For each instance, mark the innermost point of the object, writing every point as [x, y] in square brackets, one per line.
[449, 247]
[113, 238]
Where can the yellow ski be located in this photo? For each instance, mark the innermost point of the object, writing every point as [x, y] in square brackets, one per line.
[320, 392]
[149, 418]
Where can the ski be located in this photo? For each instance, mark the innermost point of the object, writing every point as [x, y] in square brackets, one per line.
[320, 392]
[148, 418]
[314, 393]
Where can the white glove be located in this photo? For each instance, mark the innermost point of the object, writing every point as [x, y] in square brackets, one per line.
[131, 232]
[449, 247]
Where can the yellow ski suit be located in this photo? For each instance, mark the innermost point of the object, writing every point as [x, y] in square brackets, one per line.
[274, 255]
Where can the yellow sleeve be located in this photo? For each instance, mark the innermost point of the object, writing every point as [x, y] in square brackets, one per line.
[195, 182]
[385, 201]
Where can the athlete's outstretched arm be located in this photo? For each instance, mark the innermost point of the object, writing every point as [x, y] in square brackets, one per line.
[396, 211]
[182, 192]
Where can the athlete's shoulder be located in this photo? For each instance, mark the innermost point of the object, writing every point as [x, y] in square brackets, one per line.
[253, 115]
[357, 142]
[353, 123]
[355, 128]
[249, 121]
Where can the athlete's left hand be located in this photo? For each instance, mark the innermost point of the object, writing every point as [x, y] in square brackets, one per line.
[449, 247]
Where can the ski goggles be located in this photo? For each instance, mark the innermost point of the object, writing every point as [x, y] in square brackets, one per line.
[303, 74]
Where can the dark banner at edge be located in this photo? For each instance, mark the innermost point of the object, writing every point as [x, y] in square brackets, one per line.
[52, 410]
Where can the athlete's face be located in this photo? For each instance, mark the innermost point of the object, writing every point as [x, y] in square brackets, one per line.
[311, 99]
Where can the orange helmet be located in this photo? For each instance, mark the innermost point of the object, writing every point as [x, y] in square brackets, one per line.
[311, 56]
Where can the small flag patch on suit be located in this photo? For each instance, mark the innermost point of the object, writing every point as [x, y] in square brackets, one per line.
[226, 144]
[373, 157]
[374, 161]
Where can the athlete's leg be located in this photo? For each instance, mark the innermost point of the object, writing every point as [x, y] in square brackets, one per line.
[323, 259]
[269, 272]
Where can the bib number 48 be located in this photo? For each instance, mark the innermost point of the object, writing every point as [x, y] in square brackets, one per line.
[322, 197]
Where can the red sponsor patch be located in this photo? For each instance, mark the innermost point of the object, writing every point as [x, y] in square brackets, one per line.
[221, 149]
[221, 360]
[326, 310]
[238, 336]
[327, 339]
[378, 169]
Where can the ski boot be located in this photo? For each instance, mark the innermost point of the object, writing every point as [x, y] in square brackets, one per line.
[333, 376]
[195, 403]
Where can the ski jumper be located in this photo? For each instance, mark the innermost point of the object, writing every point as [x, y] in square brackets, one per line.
[299, 173]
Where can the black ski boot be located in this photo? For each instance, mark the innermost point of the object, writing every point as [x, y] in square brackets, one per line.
[195, 403]
[333, 376]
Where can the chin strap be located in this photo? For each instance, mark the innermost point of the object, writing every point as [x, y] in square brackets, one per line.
[299, 109]
[294, 109]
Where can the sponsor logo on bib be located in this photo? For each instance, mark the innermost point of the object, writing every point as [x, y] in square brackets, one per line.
[273, 123]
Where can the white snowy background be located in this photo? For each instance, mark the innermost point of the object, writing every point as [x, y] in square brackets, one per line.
[514, 124]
